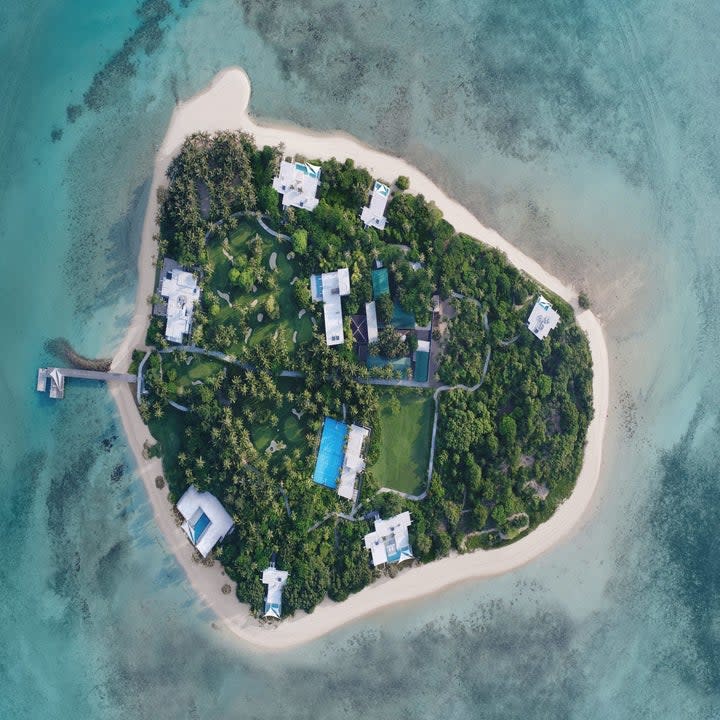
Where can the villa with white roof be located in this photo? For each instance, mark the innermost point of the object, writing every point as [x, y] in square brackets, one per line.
[373, 216]
[390, 541]
[297, 182]
[206, 520]
[542, 319]
[353, 462]
[182, 292]
[372, 323]
[330, 287]
[275, 580]
[339, 458]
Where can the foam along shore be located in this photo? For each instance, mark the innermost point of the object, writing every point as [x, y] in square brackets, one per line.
[224, 106]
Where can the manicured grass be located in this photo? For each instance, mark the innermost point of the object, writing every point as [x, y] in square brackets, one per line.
[406, 435]
[199, 369]
[288, 322]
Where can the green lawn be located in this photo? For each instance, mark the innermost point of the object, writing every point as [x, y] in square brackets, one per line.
[200, 368]
[289, 429]
[288, 322]
[406, 435]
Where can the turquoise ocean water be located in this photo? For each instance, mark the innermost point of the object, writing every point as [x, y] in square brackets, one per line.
[586, 133]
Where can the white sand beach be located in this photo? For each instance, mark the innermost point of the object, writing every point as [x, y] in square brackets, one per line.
[224, 105]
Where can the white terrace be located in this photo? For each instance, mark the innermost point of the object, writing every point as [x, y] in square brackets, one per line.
[542, 319]
[390, 541]
[206, 520]
[330, 287]
[182, 292]
[298, 182]
[374, 215]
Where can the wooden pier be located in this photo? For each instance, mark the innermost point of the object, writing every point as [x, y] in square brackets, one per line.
[57, 376]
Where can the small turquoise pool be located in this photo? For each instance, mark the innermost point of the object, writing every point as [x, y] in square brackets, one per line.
[199, 528]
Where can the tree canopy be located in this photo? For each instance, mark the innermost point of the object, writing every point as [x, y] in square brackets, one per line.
[508, 451]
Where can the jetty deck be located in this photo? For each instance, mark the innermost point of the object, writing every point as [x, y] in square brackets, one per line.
[57, 376]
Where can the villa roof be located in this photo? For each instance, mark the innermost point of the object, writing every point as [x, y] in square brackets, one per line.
[182, 292]
[372, 324]
[390, 541]
[359, 326]
[206, 520]
[374, 214]
[298, 182]
[275, 580]
[542, 319]
[330, 287]
[353, 463]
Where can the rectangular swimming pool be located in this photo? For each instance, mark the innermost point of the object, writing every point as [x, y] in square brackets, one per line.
[330, 454]
[199, 528]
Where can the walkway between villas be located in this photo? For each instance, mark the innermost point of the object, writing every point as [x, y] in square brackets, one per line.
[232, 360]
[270, 231]
[140, 387]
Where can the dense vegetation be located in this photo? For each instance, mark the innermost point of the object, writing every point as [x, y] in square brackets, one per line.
[507, 453]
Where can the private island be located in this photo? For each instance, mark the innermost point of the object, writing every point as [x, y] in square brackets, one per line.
[339, 384]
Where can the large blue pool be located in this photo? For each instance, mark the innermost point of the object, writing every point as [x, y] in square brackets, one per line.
[330, 454]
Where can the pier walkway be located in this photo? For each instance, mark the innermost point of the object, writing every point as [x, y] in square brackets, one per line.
[57, 378]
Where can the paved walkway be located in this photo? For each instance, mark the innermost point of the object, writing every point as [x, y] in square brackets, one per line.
[270, 231]
[141, 375]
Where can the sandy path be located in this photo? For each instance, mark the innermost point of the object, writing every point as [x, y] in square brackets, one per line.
[224, 106]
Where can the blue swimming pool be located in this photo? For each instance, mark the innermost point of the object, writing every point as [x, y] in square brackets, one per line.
[330, 454]
[318, 286]
[202, 522]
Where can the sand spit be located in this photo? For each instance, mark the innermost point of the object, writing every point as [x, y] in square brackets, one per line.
[223, 106]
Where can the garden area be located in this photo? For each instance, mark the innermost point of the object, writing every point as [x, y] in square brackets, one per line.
[250, 295]
[524, 428]
[406, 417]
[282, 431]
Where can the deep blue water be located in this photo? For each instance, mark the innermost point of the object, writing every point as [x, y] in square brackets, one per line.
[585, 132]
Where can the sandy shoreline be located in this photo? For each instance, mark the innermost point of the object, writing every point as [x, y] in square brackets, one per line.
[224, 106]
